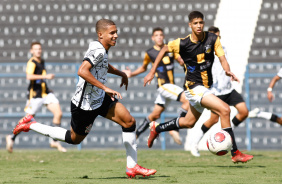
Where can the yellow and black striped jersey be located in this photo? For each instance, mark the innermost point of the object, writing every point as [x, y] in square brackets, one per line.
[37, 88]
[198, 58]
[164, 72]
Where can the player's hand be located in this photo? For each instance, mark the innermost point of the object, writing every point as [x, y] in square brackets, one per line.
[148, 78]
[124, 81]
[127, 72]
[232, 76]
[50, 76]
[270, 96]
[113, 93]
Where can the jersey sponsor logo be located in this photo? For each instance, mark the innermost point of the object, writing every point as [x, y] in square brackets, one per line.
[207, 65]
[170, 67]
[88, 128]
[191, 69]
[94, 102]
[160, 69]
[208, 49]
[170, 54]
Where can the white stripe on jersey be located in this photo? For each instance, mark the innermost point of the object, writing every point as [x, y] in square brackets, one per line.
[91, 97]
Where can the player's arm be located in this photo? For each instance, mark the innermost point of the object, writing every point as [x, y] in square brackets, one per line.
[139, 70]
[226, 68]
[31, 76]
[149, 77]
[271, 85]
[84, 72]
[124, 80]
[179, 59]
[221, 55]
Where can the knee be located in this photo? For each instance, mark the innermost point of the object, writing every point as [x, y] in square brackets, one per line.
[186, 123]
[129, 126]
[155, 117]
[225, 110]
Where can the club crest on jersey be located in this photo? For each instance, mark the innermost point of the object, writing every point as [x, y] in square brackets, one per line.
[208, 49]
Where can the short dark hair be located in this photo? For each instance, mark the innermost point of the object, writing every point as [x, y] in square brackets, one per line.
[34, 43]
[157, 29]
[103, 23]
[195, 14]
[213, 29]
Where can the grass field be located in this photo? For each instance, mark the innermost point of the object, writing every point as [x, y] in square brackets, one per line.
[108, 166]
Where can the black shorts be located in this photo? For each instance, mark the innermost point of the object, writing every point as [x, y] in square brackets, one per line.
[232, 98]
[82, 120]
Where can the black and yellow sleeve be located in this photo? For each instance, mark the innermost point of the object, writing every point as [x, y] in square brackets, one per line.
[30, 68]
[218, 48]
[173, 46]
[147, 59]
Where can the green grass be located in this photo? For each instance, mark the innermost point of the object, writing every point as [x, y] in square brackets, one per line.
[108, 166]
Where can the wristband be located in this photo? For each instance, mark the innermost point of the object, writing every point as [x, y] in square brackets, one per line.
[269, 89]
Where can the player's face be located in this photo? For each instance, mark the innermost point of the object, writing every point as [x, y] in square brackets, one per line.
[109, 36]
[36, 51]
[197, 26]
[158, 38]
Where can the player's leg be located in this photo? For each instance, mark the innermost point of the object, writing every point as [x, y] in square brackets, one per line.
[81, 124]
[32, 106]
[177, 123]
[172, 92]
[242, 114]
[236, 100]
[199, 133]
[222, 109]
[256, 113]
[53, 106]
[119, 114]
[155, 114]
[185, 104]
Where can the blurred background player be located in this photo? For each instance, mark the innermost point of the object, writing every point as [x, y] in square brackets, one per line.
[256, 113]
[222, 88]
[167, 90]
[39, 94]
[197, 51]
[93, 98]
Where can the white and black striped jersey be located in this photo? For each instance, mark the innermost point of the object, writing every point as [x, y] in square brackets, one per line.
[221, 82]
[87, 96]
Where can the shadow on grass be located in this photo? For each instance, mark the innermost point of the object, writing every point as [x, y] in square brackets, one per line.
[228, 166]
[137, 177]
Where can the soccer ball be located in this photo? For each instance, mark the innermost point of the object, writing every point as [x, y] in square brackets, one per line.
[219, 143]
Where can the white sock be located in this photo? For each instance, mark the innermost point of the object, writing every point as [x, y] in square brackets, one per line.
[265, 115]
[57, 133]
[198, 134]
[129, 141]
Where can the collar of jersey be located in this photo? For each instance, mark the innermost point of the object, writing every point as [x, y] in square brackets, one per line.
[190, 35]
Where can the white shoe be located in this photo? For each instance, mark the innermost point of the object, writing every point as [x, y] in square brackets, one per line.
[254, 113]
[194, 151]
[56, 144]
[175, 135]
[9, 143]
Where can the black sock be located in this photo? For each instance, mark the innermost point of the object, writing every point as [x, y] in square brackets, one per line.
[235, 121]
[204, 128]
[167, 126]
[274, 118]
[143, 127]
[234, 145]
[14, 136]
[68, 137]
[182, 112]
